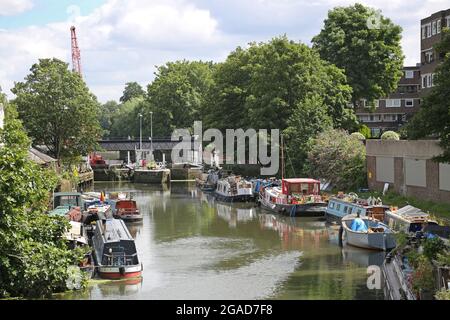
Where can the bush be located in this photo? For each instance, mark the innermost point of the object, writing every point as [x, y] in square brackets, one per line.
[423, 279]
[390, 135]
[335, 156]
[443, 294]
[432, 247]
[365, 130]
[358, 135]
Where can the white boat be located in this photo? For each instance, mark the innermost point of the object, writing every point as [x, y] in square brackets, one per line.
[368, 233]
[344, 204]
[407, 219]
[234, 189]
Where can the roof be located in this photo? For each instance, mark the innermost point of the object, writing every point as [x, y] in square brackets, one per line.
[115, 230]
[39, 157]
[410, 211]
[301, 180]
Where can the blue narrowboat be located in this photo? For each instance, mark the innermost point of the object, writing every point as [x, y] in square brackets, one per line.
[340, 206]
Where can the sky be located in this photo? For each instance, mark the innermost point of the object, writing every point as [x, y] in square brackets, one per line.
[124, 40]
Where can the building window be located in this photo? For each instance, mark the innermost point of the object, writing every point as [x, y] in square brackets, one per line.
[424, 32]
[428, 30]
[409, 74]
[433, 30]
[448, 21]
[429, 56]
[409, 102]
[393, 103]
[427, 80]
[439, 26]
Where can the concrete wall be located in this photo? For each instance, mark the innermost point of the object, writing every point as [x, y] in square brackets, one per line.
[414, 173]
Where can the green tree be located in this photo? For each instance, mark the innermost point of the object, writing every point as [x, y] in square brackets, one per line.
[177, 96]
[125, 121]
[58, 110]
[366, 45]
[338, 157]
[365, 130]
[34, 258]
[390, 135]
[132, 90]
[433, 118]
[107, 112]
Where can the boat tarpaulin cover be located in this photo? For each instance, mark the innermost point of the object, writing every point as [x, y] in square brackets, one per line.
[359, 225]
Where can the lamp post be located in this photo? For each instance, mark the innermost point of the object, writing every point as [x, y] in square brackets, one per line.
[140, 131]
[151, 132]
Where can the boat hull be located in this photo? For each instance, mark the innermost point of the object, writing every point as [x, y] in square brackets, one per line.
[296, 210]
[237, 198]
[129, 217]
[115, 273]
[369, 240]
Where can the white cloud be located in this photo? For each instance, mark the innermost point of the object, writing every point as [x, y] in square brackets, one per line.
[123, 40]
[13, 7]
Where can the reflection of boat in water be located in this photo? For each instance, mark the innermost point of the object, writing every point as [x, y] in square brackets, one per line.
[121, 288]
[363, 257]
[235, 214]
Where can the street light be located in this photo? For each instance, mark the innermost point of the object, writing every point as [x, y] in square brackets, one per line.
[151, 132]
[140, 131]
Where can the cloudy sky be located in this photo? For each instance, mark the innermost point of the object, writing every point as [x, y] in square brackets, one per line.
[123, 40]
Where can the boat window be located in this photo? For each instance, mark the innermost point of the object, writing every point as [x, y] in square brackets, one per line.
[305, 188]
[359, 211]
[338, 207]
[331, 205]
[345, 209]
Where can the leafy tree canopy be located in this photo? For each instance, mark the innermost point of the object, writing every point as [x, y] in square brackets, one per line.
[57, 109]
[366, 45]
[132, 90]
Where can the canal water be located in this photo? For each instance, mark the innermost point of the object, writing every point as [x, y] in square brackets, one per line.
[193, 247]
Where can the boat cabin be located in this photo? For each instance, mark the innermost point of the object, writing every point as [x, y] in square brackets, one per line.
[67, 199]
[113, 244]
[300, 187]
[407, 219]
[338, 208]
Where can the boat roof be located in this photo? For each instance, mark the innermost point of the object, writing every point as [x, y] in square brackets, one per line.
[411, 211]
[115, 230]
[301, 180]
[65, 194]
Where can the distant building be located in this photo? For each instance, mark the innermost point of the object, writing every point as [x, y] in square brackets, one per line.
[393, 112]
[431, 34]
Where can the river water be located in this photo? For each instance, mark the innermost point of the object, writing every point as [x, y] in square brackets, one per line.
[193, 247]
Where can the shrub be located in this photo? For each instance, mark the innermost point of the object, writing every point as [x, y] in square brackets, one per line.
[358, 135]
[365, 131]
[432, 247]
[443, 294]
[390, 135]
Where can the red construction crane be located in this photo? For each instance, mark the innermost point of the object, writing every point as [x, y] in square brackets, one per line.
[76, 57]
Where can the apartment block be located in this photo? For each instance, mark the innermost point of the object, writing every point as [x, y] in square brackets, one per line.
[392, 112]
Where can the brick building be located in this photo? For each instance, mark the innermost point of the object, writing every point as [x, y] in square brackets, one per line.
[394, 111]
[408, 168]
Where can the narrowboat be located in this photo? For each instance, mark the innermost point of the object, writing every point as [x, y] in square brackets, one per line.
[343, 205]
[295, 197]
[208, 181]
[258, 184]
[115, 251]
[234, 189]
[97, 212]
[407, 219]
[67, 204]
[126, 209]
[368, 233]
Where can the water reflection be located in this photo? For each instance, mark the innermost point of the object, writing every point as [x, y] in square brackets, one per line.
[194, 247]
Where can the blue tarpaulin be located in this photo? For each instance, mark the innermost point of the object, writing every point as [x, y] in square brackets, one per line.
[359, 225]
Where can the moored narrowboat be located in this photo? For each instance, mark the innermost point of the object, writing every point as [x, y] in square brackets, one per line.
[126, 209]
[407, 219]
[295, 197]
[234, 189]
[115, 251]
[342, 205]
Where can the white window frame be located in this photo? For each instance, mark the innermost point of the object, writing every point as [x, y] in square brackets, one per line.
[433, 28]
[409, 74]
[424, 32]
[393, 103]
[411, 101]
[447, 18]
[439, 26]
